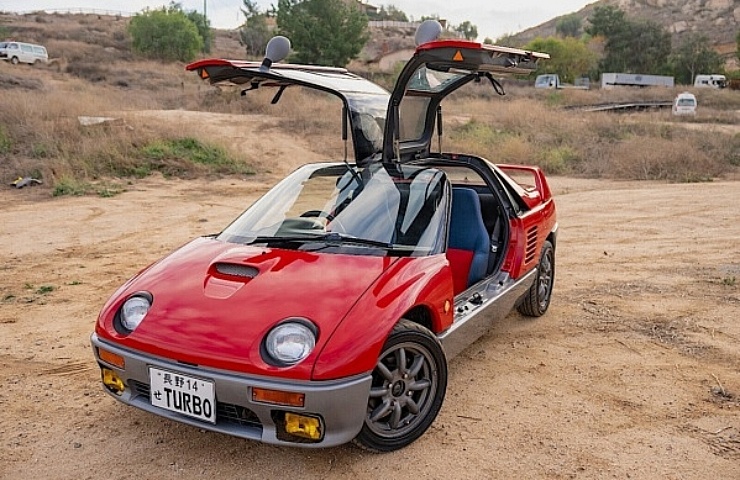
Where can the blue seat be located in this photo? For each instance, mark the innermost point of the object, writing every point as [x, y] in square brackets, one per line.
[469, 243]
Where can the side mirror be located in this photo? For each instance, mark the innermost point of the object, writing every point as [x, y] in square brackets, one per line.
[277, 49]
[428, 31]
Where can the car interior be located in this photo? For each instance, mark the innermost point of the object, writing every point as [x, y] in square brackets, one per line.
[477, 229]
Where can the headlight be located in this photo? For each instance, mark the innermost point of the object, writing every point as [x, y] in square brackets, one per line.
[133, 311]
[290, 342]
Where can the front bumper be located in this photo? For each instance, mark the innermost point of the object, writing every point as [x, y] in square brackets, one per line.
[341, 404]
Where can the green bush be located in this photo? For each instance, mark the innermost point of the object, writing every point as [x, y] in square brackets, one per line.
[70, 186]
[559, 160]
[171, 157]
[166, 34]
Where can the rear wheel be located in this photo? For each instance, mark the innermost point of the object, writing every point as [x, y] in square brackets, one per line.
[408, 388]
[537, 300]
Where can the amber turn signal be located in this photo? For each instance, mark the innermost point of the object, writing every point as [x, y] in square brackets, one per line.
[278, 397]
[112, 358]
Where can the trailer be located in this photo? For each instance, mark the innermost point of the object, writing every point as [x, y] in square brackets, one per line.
[611, 80]
[710, 81]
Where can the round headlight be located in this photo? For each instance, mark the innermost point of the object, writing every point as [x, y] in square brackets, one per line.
[290, 342]
[133, 312]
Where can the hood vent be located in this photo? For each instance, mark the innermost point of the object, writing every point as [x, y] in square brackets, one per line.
[234, 270]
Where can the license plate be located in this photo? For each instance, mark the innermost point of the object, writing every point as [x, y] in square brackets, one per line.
[183, 394]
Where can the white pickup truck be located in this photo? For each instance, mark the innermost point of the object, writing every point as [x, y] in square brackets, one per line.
[552, 80]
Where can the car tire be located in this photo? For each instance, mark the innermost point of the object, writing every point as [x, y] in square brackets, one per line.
[14, 60]
[537, 299]
[407, 391]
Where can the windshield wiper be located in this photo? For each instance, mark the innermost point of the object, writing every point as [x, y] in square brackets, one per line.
[332, 238]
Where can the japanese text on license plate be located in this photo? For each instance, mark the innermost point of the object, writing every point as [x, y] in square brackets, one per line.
[183, 394]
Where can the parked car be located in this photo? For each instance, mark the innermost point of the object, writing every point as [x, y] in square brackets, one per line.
[327, 312]
[684, 104]
[19, 52]
[552, 80]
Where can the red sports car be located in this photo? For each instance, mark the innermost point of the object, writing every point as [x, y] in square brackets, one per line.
[327, 312]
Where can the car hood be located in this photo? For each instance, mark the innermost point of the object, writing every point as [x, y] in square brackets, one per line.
[213, 302]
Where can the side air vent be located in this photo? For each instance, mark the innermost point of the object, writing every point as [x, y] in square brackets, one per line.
[530, 251]
[234, 270]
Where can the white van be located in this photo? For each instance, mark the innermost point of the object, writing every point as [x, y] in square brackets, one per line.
[710, 81]
[17, 52]
[684, 104]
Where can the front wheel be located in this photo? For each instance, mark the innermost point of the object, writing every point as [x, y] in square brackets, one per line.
[537, 300]
[407, 391]
[14, 60]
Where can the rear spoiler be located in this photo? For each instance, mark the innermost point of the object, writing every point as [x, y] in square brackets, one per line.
[489, 58]
[531, 181]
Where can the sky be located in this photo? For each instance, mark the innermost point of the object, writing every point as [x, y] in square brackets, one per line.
[494, 18]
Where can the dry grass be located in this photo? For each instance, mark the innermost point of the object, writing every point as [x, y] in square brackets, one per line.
[95, 72]
[527, 126]
[40, 136]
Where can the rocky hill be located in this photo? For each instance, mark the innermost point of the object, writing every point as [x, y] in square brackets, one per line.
[718, 20]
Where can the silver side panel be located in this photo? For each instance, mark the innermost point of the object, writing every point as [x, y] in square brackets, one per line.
[478, 307]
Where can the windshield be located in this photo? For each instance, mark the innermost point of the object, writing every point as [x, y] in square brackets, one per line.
[543, 81]
[396, 210]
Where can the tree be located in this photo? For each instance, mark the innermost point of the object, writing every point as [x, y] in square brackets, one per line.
[606, 21]
[467, 30]
[165, 34]
[569, 26]
[326, 32]
[508, 40]
[738, 45]
[694, 56]
[204, 28]
[647, 48]
[631, 46]
[570, 57]
[254, 34]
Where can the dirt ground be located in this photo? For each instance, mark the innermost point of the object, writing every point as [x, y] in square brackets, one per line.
[633, 373]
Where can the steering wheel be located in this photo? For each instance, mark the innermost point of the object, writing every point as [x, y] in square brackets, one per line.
[318, 213]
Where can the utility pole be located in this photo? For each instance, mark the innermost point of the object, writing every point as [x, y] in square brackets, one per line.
[206, 41]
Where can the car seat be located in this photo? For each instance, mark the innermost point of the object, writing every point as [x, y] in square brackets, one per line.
[469, 244]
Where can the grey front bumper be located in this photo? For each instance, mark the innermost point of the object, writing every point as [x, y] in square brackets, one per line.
[342, 404]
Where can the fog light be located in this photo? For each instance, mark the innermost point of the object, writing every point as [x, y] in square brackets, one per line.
[112, 381]
[303, 426]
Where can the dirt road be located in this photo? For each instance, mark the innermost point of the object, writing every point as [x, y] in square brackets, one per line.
[633, 373]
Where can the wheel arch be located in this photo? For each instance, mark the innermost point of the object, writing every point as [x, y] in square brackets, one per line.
[421, 315]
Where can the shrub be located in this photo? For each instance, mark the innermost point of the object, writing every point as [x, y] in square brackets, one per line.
[171, 157]
[165, 34]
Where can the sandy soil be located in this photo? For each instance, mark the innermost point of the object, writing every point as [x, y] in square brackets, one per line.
[633, 373]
